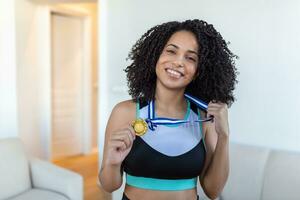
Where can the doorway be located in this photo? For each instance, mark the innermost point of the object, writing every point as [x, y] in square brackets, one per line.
[67, 85]
[68, 80]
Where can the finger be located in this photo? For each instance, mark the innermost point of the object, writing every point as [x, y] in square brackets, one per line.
[218, 111]
[209, 114]
[212, 113]
[123, 136]
[216, 101]
[132, 132]
[213, 110]
[118, 135]
[218, 104]
[118, 144]
[213, 101]
[129, 135]
[215, 105]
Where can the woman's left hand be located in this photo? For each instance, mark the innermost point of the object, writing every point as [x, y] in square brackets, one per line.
[220, 113]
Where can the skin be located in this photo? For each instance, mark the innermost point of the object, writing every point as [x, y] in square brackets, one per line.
[179, 55]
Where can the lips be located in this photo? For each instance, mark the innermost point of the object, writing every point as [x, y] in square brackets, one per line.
[174, 73]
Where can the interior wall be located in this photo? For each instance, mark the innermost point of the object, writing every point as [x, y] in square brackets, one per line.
[28, 75]
[8, 75]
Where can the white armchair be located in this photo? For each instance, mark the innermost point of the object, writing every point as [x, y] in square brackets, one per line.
[261, 173]
[22, 178]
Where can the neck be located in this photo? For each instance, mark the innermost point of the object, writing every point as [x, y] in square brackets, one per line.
[170, 101]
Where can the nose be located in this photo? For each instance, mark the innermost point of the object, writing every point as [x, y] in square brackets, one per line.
[179, 61]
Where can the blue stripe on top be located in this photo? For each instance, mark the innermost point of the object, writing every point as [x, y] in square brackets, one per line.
[161, 184]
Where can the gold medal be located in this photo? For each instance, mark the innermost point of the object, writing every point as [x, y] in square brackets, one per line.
[140, 127]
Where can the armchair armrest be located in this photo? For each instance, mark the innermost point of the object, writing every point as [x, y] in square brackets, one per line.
[48, 176]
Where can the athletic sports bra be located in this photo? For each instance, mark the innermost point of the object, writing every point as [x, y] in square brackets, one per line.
[169, 158]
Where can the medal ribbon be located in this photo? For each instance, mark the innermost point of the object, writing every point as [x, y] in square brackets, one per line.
[153, 122]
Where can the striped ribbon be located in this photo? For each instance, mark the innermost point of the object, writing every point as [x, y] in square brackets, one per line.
[153, 121]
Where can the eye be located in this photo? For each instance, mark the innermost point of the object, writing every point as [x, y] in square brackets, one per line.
[191, 59]
[170, 51]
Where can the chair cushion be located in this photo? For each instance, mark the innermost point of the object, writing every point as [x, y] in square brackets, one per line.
[282, 176]
[37, 194]
[247, 165]
[14, 168]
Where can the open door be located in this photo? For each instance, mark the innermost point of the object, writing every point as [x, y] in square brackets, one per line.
[67, 85]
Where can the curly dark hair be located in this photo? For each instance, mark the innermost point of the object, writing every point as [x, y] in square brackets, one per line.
[216, 67]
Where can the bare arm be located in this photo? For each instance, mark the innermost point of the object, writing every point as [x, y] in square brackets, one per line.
[216, 168]
[119, 137]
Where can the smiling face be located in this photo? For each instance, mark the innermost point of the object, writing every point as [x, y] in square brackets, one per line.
[177, 64]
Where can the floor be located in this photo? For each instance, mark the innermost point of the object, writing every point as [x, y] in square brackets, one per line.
[87, 166]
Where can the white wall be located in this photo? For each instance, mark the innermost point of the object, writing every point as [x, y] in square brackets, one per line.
[28, 52]
[8, 75]
[264, 34]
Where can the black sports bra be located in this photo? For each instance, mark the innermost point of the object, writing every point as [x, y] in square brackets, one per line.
[167, 154]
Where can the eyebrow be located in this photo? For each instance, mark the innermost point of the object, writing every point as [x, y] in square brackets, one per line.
[191, 51]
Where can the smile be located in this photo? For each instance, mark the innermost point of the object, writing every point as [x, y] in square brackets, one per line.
[174, 73]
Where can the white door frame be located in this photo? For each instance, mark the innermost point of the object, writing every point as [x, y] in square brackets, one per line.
[44, 41]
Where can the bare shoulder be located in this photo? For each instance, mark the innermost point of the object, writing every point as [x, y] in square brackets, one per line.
[122, 114]
[127, 106]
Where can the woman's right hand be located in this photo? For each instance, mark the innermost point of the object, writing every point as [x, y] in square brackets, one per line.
[119, 145]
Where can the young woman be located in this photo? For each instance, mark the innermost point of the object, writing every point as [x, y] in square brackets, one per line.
[172, 64]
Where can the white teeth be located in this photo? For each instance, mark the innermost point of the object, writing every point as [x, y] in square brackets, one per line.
[174, 73]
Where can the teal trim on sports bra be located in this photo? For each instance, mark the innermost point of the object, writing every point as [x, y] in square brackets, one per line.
[201, 129]
[161, 184]
[137, 111]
